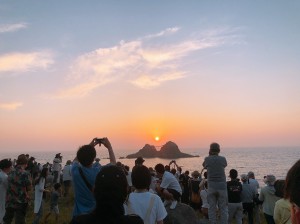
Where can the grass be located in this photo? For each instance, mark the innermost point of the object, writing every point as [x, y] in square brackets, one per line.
[65, 205]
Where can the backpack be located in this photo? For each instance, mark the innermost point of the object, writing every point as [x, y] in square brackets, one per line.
[195, 191]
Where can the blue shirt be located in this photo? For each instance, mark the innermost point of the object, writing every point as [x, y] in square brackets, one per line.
[84, 198]
[97, 164]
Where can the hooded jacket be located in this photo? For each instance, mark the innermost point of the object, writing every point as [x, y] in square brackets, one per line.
[267, 195]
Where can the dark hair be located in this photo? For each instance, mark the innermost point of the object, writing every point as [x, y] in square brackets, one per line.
[159, 168]
[167, 168]
[5, 163]
[110, 192]
[279, 188]
[126, 168]
[173, 171]
[22, 159]
[205, 174]
[57, 186]
[43, 174]
[141, 177]
[292, 184]
[214, 148]
[233, 173]
[86, 155]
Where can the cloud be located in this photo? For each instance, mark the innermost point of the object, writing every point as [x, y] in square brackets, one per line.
[80, 90]
[143, 62]
[23, 62]
[5, 28]
[164, 32]
[165, 54]
[149, 82]
[10, 106]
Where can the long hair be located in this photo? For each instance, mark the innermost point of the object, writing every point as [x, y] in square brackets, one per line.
[110, 193]
[43, 174]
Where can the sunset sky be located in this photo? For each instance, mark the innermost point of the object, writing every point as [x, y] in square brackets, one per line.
[192, 72]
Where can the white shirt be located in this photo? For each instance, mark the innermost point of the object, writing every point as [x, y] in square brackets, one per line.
[203, 194]
[38, 194]
[128, 177]
[56, 164]
[177, 175]
[67, 173]
[138, 203]
[170, 181]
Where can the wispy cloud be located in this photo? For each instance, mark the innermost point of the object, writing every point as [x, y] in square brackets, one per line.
[164, 32]
[80, 90]
[150, 81]
[10, 106]
[143, 62]
[22, 62]
[5, 28]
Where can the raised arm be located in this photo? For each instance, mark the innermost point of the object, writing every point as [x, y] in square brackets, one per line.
[107, 144]
[175, 164]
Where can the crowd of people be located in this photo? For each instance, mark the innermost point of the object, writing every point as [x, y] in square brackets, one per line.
[114, 194]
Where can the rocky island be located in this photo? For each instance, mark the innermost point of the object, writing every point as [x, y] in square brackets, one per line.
[168, 151]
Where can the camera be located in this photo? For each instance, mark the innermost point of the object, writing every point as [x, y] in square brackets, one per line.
[99, 141]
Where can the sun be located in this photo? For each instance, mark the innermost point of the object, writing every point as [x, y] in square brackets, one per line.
[157, 138]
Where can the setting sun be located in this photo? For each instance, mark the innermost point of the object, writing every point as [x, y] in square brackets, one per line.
[156, 138]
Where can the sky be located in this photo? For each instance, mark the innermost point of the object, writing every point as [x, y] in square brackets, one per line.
[191, 72]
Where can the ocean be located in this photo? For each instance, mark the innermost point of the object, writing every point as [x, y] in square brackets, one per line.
[262, 161]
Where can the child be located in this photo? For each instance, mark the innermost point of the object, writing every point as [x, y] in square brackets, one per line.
[203, 194]
[54, 202]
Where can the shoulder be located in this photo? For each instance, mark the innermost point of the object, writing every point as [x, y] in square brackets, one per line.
[222, 158]
[25, 175]
[168, 177]
[141, 196]
[74, 165]
[67, 167]
[166, 174]
[263, 190]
